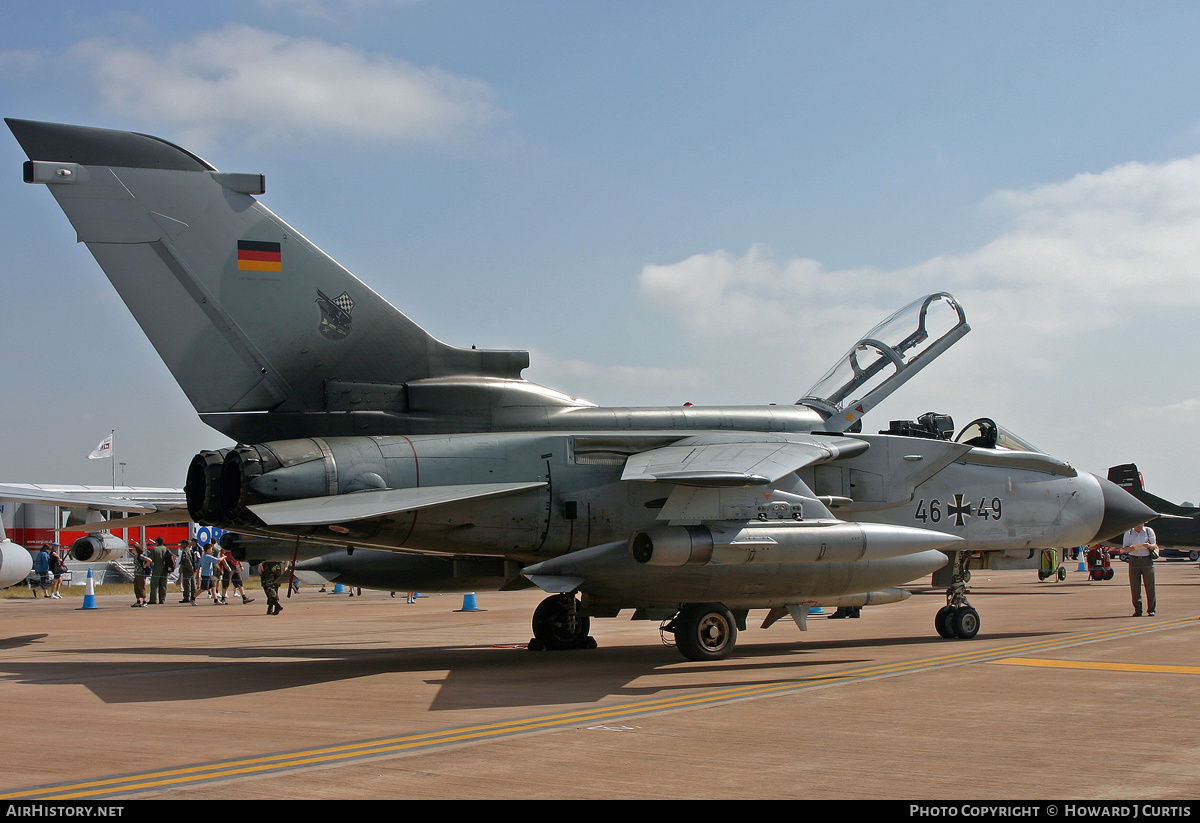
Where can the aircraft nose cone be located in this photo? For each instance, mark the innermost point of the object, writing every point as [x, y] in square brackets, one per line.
[1122, 511]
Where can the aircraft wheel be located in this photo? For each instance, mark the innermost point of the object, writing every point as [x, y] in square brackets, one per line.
[705, 631]
[964, 622]
[560, 623]
[941, 622]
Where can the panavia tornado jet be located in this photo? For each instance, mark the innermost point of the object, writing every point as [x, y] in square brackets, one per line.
[357, 429]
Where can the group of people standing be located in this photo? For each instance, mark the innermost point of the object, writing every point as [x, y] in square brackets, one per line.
[49, 564]
[202, 570]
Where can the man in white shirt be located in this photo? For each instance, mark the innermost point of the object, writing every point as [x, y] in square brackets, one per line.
[1141, 547]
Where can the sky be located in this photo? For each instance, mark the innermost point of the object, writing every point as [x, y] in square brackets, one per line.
[663, 202]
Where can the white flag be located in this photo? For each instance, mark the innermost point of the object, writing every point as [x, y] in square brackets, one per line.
[103, 450]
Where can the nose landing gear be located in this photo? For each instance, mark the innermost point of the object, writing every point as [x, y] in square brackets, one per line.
[957, 618]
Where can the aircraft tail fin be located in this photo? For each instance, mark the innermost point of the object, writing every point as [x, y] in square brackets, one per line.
[1129, 478]
[247, 314]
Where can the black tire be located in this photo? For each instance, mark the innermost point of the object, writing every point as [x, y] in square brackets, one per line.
[1062, 574]
[1193, 556]
[1108, 574]
[964, 622]
[941, 622]
[554, 627]
[705, 631]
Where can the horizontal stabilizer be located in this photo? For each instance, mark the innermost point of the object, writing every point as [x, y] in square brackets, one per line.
[168, 517]
[341, 508]
[699, 461]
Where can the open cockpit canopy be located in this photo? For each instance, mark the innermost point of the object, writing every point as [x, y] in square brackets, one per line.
[887, 356]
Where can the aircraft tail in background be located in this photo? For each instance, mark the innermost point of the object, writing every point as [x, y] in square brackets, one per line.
[1129, 478]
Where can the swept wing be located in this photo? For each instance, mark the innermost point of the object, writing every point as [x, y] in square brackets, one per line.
[343, 508]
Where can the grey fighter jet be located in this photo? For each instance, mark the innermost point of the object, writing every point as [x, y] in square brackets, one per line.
[358, 429]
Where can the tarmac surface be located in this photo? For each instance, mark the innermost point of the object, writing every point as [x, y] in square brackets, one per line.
[1062, 695]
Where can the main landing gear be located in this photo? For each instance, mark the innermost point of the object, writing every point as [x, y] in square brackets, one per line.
[704, 631]
[560, 622]
[957, 618]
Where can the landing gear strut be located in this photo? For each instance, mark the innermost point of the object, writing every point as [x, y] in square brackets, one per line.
[957, 618]
[560, 622]
[704, 631]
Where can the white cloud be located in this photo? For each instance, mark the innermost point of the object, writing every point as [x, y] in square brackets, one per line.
[1082, 312]
[719, 295]
[1077, 254]
[240, 78]
[651, 384]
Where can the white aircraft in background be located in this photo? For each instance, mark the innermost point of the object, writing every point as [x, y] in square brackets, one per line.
[84, 507]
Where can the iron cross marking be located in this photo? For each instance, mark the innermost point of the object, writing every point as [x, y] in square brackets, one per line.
[959, 510]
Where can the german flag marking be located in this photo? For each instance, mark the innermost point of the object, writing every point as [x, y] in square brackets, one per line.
[256, 255]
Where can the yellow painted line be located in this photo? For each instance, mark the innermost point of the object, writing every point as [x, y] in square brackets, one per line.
[1104, 667]
[242, 767]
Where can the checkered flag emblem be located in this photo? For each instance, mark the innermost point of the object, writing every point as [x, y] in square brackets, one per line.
[335, 315]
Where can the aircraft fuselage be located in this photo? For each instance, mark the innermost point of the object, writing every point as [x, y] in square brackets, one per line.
[576, 499]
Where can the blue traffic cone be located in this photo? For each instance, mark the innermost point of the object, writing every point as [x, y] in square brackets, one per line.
[337, 589]
[469, 604]
[89, 594]
[816, 610]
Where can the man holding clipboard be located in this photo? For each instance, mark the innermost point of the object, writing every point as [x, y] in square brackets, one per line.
[1141, 548]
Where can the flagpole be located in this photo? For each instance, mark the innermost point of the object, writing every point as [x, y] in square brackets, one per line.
[112, 435]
